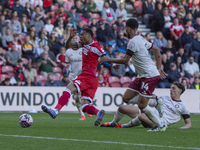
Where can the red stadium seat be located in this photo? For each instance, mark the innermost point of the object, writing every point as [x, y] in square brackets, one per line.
[96, 16]
[125, 81]
[41, 78]
[54, 8]
[55, 77]
[57, 70]
[25, 60]
[3, 76]
[8, 69]
[114, 81]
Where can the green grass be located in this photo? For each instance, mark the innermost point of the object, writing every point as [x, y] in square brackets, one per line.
[68, 133]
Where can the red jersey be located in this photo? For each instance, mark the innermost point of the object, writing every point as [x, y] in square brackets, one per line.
[90, 55]
[60, 59]
[47, 3]
[178, 29]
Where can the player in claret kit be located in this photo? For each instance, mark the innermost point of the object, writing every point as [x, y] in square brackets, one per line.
[149, 73]
[86, 82]
[173, 110]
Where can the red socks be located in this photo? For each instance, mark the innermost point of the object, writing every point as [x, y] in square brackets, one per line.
[63, 99]
[90, 110]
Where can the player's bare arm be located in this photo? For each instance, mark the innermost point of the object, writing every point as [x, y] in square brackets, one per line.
[157, 55]
[69, 43]
[187, 124]
[115, 60]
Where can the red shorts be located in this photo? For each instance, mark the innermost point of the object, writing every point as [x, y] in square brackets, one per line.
[86, 83]
[144, 86]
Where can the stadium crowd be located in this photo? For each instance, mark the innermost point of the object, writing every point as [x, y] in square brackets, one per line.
[33, 35]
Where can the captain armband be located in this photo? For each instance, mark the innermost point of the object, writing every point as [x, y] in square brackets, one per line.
[129, 52]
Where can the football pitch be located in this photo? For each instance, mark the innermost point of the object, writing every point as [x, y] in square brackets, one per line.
[66, 132]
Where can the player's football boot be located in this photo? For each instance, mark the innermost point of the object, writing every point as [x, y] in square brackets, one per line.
[155, 129]
[163, 128]
[82, 118]
[89, 115]
[159, 107]
[49, 111]
[107, 124]
[99, 117]
[118, 125]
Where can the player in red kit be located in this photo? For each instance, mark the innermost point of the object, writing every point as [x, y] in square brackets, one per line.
[86, 82]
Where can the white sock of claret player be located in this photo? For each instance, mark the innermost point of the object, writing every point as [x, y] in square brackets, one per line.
[152, 102]
[152, 116]
[134, 122]
[118, 116]
[134, 100]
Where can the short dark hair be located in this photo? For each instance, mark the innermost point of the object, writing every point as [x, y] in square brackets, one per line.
[88, 31]
[180, 86]
[132, 23]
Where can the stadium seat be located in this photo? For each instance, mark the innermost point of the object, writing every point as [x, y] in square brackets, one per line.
[96, 16]
[57, 70]
[108, 71]
[41, 78]
[25, 60]
[3, 76]
[85, 24]
[8, 69]
[54, 8]
[114, 81]
[55, 77]
[125, 81]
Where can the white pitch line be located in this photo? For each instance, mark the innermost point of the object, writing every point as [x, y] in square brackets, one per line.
[93, 141]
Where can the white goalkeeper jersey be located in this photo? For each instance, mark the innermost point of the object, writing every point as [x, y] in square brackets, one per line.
[74, 57]
[173, 110]
[141, 59]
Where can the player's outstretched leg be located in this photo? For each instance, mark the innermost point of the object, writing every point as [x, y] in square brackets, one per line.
[99, 117]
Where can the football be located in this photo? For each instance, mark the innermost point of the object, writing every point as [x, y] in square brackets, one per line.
[25, 120]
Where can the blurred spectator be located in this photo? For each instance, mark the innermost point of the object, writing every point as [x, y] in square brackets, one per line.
[180, 18]
[182, 55]
[7, 25]
[194, 11]
[61, 13]
[2, 57]
[160, 41]
[82, 10]
[12, 56]
[120, 25]
[197, 24]
[165, 62]
[24, 25]
[172, 14]
[167, 23]
[181, 11]
[79, 27]
[37, 12]
[180, 66]
[6, 82]
[28, 82]
[173, 74]
[6, 13]
[20, 74]
[49, 27]
[28, 11]
[114, 29]
[19, 8]
[60, 20]
[94, 30]
[68, 4]
[19, 82]
[35, 3]
[75, 17]
[184, 82]
[9, 4]
[186, 40]
[51, 39]
[121, 12]
[108, 13]
[65, 80]
[173, 5]
[6, 39]
[189, 24]
[13, 15]
[157, 22]
[190, 17]
[45, 64]
[17, 44]
[51, 81]
[148, 8]
[16, 26]
[121, 41]
[106, 76]
[195, 84]
[111, 41]
[43, 38]
[91, 6]
[50, 53]
[196, 47]
[121, 71]
[102, 33]
[33, 39]
[47, 5]
[2, 22]
[93, 23]
[57, 45]
[60, 58]
[102, 83]
[28, 49]
[37, 22]
[163, 83]
[147, 37]
[20, 63]
[39, 50]
[176, 30]
[191, 68]
[106, 24]
[112, 4]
